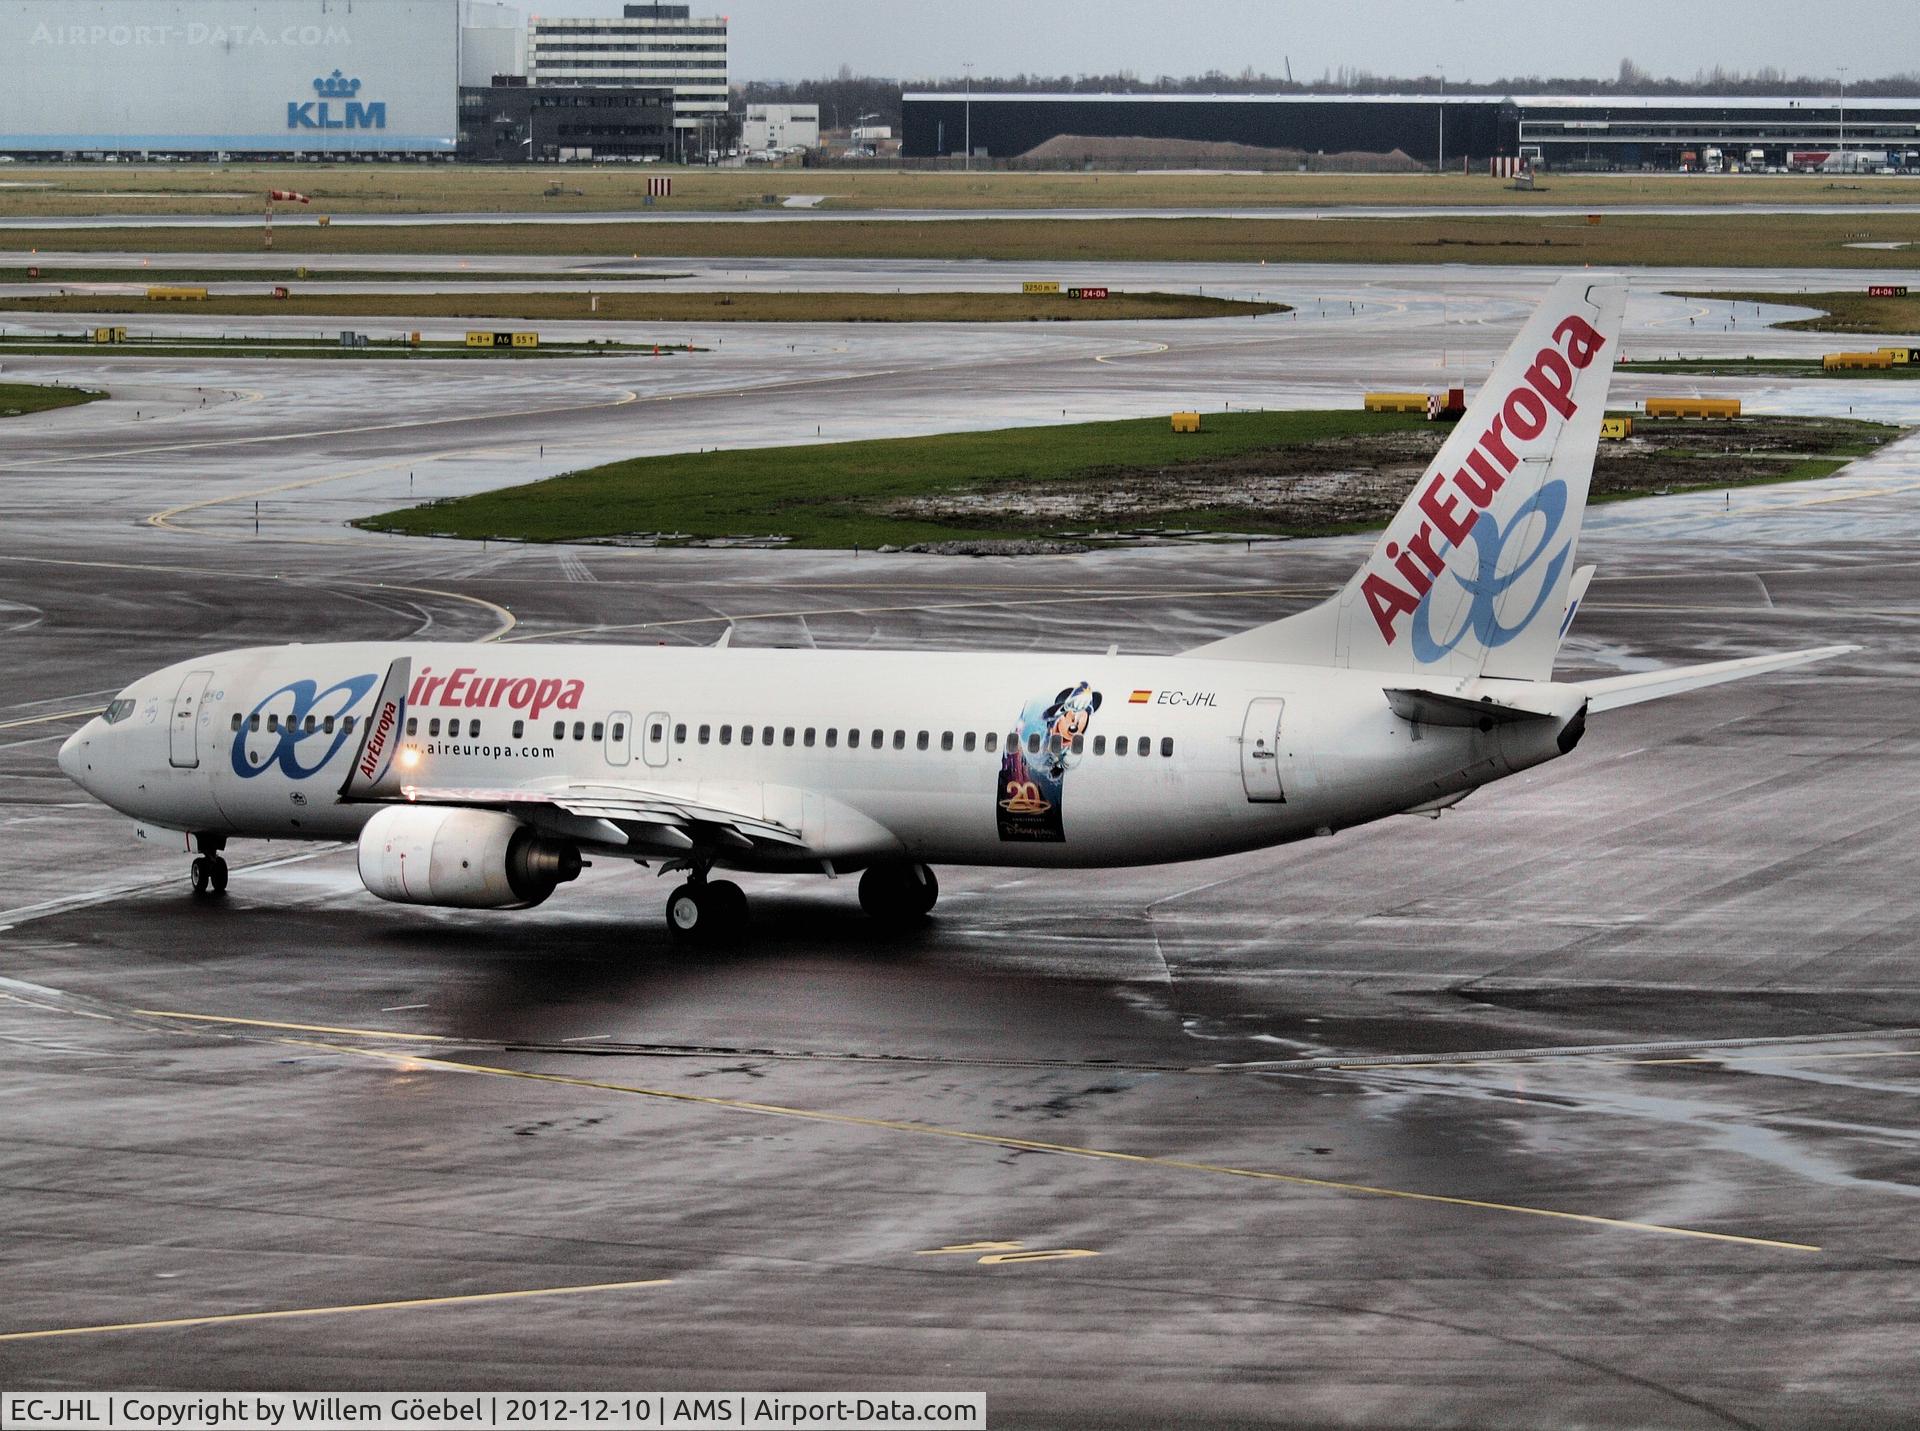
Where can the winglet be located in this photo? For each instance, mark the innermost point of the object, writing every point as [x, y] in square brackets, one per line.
[380, 738]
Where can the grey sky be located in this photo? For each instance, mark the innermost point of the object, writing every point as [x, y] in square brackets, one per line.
[1472, 39]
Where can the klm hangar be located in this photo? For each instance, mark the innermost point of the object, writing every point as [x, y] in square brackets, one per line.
[186, 78]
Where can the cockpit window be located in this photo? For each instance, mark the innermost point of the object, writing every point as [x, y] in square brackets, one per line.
[117, 710]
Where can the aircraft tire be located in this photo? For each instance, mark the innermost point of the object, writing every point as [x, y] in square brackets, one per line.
[201, 873]
[898, 893]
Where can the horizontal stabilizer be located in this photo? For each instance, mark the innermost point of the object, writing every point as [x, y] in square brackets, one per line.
[1436, 708]
[1617, 691]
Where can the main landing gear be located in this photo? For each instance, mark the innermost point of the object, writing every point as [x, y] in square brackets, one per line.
[898, 894]
[707, 911]
[208, 871]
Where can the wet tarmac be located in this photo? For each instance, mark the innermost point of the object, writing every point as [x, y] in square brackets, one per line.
[1592, 1102]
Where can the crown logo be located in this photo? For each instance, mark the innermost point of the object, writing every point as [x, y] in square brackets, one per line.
[336, 86]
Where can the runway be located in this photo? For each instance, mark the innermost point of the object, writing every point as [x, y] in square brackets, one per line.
[1596, 1095]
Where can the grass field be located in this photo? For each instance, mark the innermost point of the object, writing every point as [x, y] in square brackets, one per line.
[443, 188]
[1244, 473]
[744, 307]
[1845, 312]
[1771, 367]
[1708, 240]
[54, 275]
[18, 399]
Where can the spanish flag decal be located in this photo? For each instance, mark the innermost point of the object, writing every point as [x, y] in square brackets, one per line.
[1139, 698]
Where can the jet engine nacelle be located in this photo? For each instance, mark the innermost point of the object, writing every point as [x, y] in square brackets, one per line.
[461, 858]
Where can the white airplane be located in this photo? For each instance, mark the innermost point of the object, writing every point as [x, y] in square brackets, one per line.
[481, 776]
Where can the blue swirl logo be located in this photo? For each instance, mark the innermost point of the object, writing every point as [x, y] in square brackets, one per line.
[294, 704]
[1488, 583]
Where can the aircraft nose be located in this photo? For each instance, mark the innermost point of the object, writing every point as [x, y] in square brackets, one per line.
[73, 758]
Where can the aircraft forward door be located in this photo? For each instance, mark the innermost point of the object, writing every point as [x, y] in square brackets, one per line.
[653, 739]
[619, 738]
[1260, 750]
[183, 738]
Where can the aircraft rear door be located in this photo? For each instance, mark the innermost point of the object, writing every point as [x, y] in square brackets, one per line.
[1260, 750]
[183, 747]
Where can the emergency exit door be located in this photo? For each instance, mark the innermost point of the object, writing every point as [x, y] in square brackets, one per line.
[1260, 750]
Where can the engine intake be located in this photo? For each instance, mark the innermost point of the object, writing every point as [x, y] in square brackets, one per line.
[461, 858]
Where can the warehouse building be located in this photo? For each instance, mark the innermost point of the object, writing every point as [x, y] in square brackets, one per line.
[1556, 131]
[647, 45]
[302, 78]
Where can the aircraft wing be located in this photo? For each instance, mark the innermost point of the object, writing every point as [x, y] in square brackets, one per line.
[1616, 691]
[622, 816]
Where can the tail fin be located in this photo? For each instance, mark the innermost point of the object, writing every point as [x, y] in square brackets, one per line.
[1472, 576]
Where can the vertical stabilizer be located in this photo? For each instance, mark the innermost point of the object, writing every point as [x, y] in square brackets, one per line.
[1473, 575]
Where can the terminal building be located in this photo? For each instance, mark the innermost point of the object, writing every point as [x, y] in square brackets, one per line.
[516, 123]
[1553, 131]
[647, 45]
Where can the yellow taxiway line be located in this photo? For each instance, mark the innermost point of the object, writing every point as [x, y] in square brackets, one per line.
[222, 1318]
[1003, 1140]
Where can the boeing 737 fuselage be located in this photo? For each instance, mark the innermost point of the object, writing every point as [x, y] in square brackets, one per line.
[483, 776]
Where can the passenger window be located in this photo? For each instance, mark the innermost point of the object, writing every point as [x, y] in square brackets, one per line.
[1144, 745]
[253, 721]
[853, 739]
[786, 736]
[946, 740]
[746, 735]
[1053, 743]
[899, 740]
[967, 742]
[236, 720]
[599, 731]
[726, 735]
[1119, 745]
[273, 722]
[620, 730]
[993, 741]
[879, 739]
[706, 734]
[433, 726]
[1099, 745]
[329, 725]
[413, 725]
[1079, 744]
[519, 729]
[1166, 745]
[1033, 743]
[347, 725]
[579, 730]
[833, 737]
[920, 741]
[312, 725]
[766, 735]
[680, 734]
[559, 730]
[806, 737]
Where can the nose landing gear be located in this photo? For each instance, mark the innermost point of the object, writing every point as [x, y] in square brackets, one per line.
[208, 871]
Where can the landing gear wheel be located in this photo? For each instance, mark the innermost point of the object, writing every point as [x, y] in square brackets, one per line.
[687, 914]
[201, 873]
[898, 894]
[728, 904]
[217, 869]
[711, 912]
